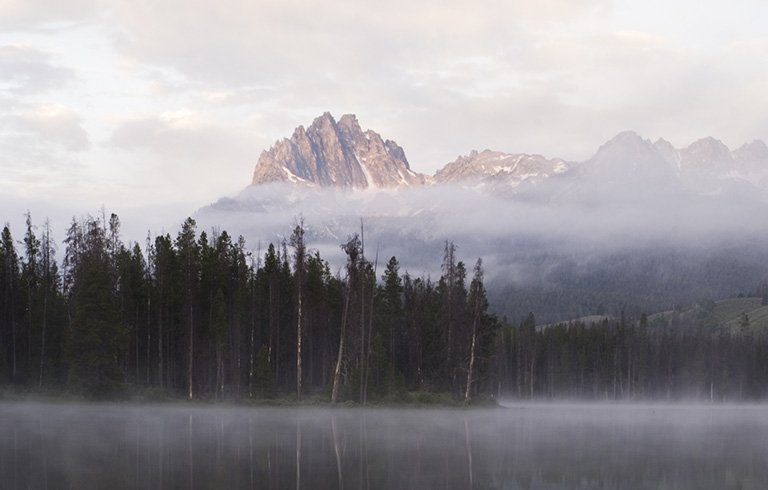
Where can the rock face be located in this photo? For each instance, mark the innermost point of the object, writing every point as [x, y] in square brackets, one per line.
[626, 168]
[752, 158]
[331, 154]
[497, 169]
[709, 167]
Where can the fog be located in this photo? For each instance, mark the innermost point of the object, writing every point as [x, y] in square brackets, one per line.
[521, 446]
[480, 221]
[599, 228]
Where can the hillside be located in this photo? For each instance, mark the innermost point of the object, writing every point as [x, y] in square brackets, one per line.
[735, 316]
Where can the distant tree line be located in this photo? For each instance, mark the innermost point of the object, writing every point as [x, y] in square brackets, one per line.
[620, 360]
[200, 315]
[558, 285]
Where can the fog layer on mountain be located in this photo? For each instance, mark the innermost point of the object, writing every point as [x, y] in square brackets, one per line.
[640, 225]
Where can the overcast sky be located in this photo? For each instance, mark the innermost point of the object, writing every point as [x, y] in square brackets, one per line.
[154, 108]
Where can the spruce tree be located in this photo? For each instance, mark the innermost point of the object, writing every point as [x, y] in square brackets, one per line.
[96, 337]
[9, 274]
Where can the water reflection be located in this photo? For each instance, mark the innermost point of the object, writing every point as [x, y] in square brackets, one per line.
[522, 447]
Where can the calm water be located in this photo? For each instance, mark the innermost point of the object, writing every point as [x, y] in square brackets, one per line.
[548, 447]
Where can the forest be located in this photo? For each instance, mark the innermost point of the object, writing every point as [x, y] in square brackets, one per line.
[202, 316]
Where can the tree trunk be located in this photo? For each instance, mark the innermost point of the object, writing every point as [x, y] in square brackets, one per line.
[363, 363]
[160, 349]
[470, 371]
[468, 393]
[337, 370]
[298, 346]
[191, 353]
[42, 342]
[149, 339]
[250, 359]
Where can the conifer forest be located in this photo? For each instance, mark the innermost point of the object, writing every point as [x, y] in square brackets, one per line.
[200, 315]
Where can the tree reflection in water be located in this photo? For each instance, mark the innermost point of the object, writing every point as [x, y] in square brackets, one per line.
[523, 447]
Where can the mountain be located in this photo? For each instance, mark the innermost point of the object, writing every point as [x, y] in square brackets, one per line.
[627, 168]
[752, 158]
[639, 223]
[500, 172]
[331, 154]
[708, 167]
[630, 191]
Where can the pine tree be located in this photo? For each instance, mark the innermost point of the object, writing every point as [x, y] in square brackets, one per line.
[166, 269]
[132, 287]
[299, 257]
[453, 317]
[354, 255]
[272, 281]
[479, 305]
[30, 279]
[240, 293]
[53, 314]
[188, 250]
[392, 306]
[96, 337]
[9, 273]
[263, 379]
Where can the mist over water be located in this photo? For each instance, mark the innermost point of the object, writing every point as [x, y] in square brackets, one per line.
[525, 446]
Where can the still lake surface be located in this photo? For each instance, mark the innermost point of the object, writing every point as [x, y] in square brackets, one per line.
[524, 446]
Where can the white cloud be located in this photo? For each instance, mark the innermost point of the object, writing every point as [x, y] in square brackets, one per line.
[182, 134]
[27, 70]
[242, 43]
[56, 124]
[555, 77]
[189, 151]
[20, 14]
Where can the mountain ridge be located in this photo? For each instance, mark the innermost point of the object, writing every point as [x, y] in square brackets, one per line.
[341, 155]
[336, 154]
[633, 223]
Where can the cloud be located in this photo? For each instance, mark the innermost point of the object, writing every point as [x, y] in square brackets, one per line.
[194, 151]
[243, 43]
[54, 124]
[37, 148]
[21, 14]
[27, 70]
[180, 134]
[555, 77]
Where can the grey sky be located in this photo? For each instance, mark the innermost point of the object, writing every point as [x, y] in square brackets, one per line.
[166, 105]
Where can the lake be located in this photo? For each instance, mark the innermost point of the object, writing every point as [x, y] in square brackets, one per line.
[523, 446]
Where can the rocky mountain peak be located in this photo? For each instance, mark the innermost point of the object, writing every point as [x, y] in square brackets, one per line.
[754, 155]
[625, 168]
[703, 163]
[627, 141]
[628, 152]
[626, 138]
[349, 125]
[331, 154]
[343, 155]
[708, 149]
[668, 152]
[500, 170]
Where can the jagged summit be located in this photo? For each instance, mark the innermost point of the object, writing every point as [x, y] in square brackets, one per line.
[339, 154]
[628, 167]
[331, 154]
[752, 157]
[627, 158]
[498, 169]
